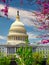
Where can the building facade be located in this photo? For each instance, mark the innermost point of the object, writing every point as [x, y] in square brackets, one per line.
[3, 49]
[42, 49]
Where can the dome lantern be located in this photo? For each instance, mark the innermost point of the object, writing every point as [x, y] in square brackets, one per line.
[18, 17]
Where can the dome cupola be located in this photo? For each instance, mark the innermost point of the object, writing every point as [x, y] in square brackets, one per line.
[17, 33]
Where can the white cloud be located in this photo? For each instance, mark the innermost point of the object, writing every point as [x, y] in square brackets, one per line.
[33, 38]
[31, 35]
[25, 16]
[2, 37]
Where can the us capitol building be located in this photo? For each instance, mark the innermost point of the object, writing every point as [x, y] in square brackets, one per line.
[16, 38]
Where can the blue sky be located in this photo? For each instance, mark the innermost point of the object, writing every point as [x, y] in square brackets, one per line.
[26, 9]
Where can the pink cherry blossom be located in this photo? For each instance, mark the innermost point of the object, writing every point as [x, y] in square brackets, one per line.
[4, 1]
[44, 41]
[5, 10]
[39, 2]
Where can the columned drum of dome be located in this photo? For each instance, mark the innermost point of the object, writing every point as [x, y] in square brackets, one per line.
[17, 33]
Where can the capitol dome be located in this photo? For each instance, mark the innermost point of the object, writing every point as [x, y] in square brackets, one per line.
[17, 33]
[17, 23]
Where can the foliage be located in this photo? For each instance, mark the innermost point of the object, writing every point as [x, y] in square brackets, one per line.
[19, 62]
[25, 54]
[26, 57]
[4, 61]
[47, 61]
[37, 58]
[26, 41]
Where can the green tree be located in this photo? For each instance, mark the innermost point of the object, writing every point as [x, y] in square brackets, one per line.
[37, 58]
[26, 41]
[47, 61]
[25, 54]
[4, 61]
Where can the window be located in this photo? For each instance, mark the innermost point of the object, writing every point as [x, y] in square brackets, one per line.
[2, 48]
[46, 52]
[46, 55]
[40, 48]
[23, 38]
[46, 49]
[11, 50]
[16, 38]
